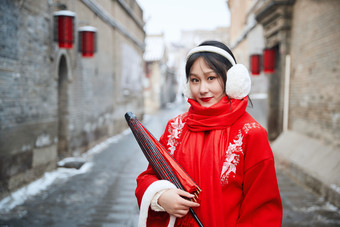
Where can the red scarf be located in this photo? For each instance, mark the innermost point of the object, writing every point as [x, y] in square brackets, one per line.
[219, 116]
[202, 152]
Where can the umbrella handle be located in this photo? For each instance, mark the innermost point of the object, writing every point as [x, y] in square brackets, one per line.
[195, 217]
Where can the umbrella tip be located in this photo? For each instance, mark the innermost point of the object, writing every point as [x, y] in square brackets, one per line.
[129, 116]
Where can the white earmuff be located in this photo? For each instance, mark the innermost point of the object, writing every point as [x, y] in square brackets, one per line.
[238, 82]
[238, 79]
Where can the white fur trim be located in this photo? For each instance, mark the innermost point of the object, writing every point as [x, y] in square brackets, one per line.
[154, 202]
[147, 198]
[238, 82]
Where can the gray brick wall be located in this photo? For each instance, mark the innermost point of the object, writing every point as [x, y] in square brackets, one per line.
[27, 86]
[92, 99]
[315, 78]
[9, 29]
[28, 95]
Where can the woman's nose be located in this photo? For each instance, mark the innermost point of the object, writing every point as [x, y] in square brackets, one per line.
[204, 88]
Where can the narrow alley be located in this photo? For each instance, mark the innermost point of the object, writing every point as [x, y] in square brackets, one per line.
[104, 194]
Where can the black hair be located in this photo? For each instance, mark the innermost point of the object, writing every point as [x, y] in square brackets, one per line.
[216, 62]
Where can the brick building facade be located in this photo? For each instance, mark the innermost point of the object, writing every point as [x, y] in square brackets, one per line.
[303, 102]
[55, 103]
[246, 39]
[314, 107]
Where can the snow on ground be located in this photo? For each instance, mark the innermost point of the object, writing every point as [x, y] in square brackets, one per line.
[259, 96]
[20, 196]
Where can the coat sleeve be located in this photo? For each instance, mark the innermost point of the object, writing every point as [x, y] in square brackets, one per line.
[148, 184]
[261, 205]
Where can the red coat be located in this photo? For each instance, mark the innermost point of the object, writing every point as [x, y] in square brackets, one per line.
[233, 165]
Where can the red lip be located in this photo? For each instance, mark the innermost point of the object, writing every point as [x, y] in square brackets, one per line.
[206, 99]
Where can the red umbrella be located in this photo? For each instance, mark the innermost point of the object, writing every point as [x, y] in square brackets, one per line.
[162, 162]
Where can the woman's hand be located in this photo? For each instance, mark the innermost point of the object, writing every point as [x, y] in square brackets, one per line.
[173, 202]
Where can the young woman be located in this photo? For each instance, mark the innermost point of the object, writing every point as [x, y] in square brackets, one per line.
[222, 148]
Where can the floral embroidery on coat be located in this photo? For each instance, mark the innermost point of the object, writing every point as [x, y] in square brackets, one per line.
[249, 126]
[232, 158]
[235, 150]
[175, 130]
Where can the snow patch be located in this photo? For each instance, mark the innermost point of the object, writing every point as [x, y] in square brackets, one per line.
[335, 188]
[43, 140]
[20, 196]
[26, 148]
[259, 96]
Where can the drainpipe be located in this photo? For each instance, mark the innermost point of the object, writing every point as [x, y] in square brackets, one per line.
[286, 94]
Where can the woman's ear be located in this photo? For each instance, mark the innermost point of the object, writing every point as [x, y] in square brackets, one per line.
[187, 91]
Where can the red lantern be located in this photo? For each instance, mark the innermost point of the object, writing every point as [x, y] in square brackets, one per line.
[255, 64]
[64, 28]
[87, 40]
[269, 61]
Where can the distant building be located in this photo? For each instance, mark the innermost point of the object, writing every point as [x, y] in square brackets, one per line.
[56, 101]
[246, 40]
[160, 83]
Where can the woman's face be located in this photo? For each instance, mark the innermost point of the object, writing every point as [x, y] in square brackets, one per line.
[206, 86]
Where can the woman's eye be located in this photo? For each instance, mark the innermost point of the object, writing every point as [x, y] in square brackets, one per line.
[194, 80]
[211, 77]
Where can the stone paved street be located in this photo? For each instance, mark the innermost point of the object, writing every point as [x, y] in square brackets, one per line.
[301, 207]
[104, 196]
